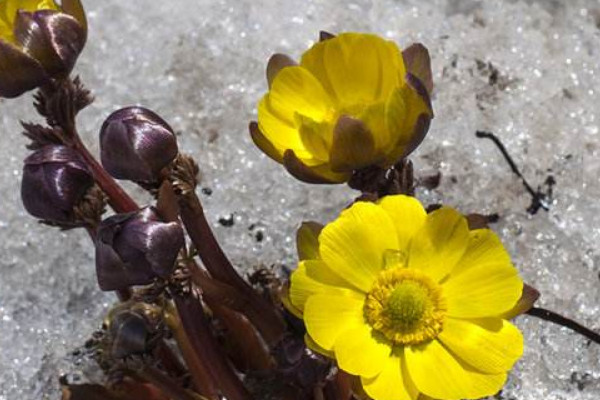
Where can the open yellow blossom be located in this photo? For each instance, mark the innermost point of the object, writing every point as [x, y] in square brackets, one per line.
[40, 40]
[410, 302]
[354, 101]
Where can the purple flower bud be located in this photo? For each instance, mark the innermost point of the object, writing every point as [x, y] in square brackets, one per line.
[55, 179]
[136, 144]
[39, 44]
[135, 248]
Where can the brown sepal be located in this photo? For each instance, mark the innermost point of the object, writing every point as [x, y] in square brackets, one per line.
[307, 240]
[353, 145]
[300, 171]
[263, 143]
[419, 134]
[480, 221]
[19, 72]
[75, 9]
[276, 63]
[417, 62]
[528, 298]
[53, 38]
[324, 35]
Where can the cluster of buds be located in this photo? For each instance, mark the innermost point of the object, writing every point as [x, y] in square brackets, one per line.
[40, 41]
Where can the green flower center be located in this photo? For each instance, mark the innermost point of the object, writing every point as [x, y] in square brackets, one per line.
[406, 305]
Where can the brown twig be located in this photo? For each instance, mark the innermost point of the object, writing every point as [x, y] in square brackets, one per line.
[558, 319]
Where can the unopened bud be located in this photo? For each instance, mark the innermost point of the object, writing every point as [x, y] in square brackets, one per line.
[136, 248]
[132, 328]
[55, 180]
[39, 41]
[136, 145]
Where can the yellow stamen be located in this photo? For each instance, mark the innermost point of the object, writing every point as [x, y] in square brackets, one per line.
[406, 306]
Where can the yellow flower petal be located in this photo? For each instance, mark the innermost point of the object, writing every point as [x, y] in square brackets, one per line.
[484, 248]
[358, 352]
[362, 68]
[312, 277]
[408, 216]
[311, 344]
[393, 383]
[440, 243]
[296, 91]
[316, 137]
[328, 316]
[438, 374]
[483, 291]
[282, 134]
[354, 244]
[404, 106]
[490, 345]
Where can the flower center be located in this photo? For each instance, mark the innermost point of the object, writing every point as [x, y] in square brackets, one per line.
[406, 306]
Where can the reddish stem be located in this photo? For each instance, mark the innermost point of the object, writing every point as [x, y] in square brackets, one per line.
[204, 344]
[162, 382]
[118, 199]
[262, 313]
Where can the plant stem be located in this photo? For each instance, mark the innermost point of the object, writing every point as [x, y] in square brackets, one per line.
[164, 383]
[118, 199]
[201, 376]
[262, 314]
[204, 344]
[558, 319]
[230, 307]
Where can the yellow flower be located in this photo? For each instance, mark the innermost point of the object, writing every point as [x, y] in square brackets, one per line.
[354, 101]
[39, 40]
[410, 302]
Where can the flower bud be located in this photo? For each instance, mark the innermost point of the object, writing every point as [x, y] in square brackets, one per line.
[135, 248]
[353, 102]
[55, 179]
[39, 40]
[132, 327]
[136, 144]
